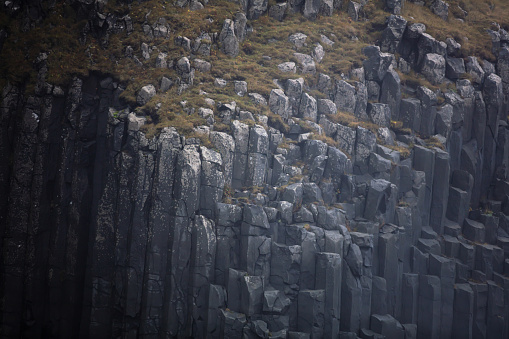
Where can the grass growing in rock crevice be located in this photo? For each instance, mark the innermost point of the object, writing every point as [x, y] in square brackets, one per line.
[470, 30]
[261, 52]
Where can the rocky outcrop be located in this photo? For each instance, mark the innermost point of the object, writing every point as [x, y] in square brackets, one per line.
[388, 219]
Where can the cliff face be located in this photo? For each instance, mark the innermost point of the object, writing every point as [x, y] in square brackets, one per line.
[292, 226]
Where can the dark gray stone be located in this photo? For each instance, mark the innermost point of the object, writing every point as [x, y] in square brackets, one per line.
[376, 198]
[344, 96]
[326, 107]
[410, 331]
[345, 138]
[298, 335]
[216, 302]
[467, 255]
[455, 68]
[380, 114]
[379, 296]
[451, 246]
[387, 326]
[354, 10]
[234, 289]
[391, 93]
[275, 302]
[463, 311]
[473, 230]
[485, 259]
[453, 46]
[293, 194]
[256, 8]
[279, 103]
[457, 205]
[409, 298]
[440, 193]
[145, 94]
[351, 301]
[298, 235]
[251, 295]
[410, 113]
[311, 312]
[255, 255]
[361, 101]
[388, 255]
[377, 64]
[428, 322]
[430, 246]
[232, 324]
[285, 265]
[443, 122]
[480, 294]
[433, 67]
[445, 269]
[328, 278]
[495, 317]
[475, 70]
[424, 160]
[308, 107]
[419, 261]
[393, 33]
[365, 144]
[278, 11]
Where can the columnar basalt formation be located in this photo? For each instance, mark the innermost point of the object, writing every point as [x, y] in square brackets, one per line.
[321, 230]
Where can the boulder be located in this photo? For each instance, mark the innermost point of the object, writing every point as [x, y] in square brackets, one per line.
[344, 96]
[240, 24]
[256, 9]
[441, 9]
[240, 88]
[145, 94]
[278, 11]
[258, 99]
[311, 8]
[165, 84]
[391, 92]
[453, 47]
[318, 53]
[354, 10]
[380, 114]
[202, 65]
[377, 63]
[455, 67]
[393, 33]
[475, 70]
[279, 103]
[298, 40]
[326, 107]
[433, 68]
[308, 107]
[394, 6]
[228, 40]
[161, 60]
[307, 64]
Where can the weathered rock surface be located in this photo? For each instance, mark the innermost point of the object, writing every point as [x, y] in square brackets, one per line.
[389, 218]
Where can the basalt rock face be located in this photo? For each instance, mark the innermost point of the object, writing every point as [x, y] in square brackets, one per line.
[107, 233]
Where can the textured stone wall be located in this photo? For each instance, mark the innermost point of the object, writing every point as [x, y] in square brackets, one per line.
[105, 233]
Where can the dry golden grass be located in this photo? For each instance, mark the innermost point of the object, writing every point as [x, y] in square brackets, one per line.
[471, 33]
[57, 36]
[343, 118]
[328, 140]
[60, 31]
[434, 142]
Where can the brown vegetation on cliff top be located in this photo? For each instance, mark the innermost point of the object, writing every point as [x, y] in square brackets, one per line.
[58, 36]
